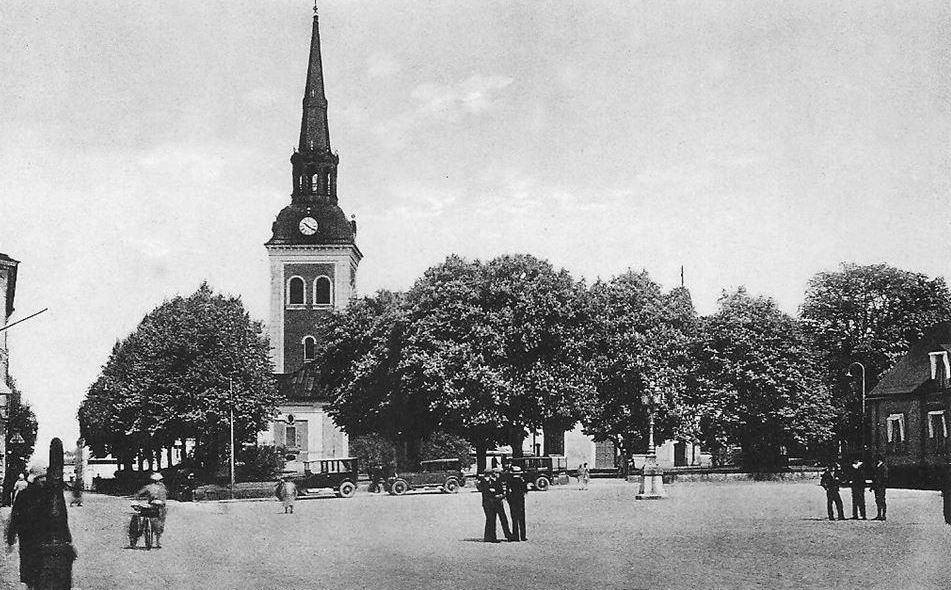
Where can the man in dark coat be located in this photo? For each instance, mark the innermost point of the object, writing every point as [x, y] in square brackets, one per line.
[857, 483]
[43, 523]
[830, 481]
[879, 482]
[515, 493]
[23, 525]
[493, 492]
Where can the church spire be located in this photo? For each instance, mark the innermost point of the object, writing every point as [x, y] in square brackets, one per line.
[314, 165]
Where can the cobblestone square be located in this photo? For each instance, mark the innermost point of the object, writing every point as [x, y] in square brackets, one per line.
[738, 535]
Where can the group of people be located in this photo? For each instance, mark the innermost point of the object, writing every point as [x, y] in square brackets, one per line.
[856, 476]
[496, 488]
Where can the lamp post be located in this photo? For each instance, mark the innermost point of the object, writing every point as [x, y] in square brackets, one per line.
[231, 420]
[652, 476]
[861, 366]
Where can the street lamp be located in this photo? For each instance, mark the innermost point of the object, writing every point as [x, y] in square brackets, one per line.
[861, 366]
[652, 476]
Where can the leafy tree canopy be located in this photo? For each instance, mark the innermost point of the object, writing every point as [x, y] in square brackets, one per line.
[640, 340]
[870, 314]
[22, 422]
[759, 385]
[172, 379]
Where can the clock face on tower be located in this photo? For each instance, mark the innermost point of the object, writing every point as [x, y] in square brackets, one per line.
[308, 226]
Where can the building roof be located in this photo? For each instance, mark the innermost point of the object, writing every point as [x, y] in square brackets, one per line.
[333, 227]
[302, 385]
[11, 264]
[914, 369]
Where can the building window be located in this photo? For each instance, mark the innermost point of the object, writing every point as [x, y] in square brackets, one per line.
[295, 291]
[940, 367]
[290, 437]
[937, 430]
[895, 433]
[310, 348]
[322, 291]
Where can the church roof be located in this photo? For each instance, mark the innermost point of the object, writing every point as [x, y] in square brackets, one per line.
[333, 227]
[914, 369]
[301, 385]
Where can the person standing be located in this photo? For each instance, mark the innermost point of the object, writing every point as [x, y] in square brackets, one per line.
[585, 476]
[40, 522]
[287, 492]
[830, 481]
[515, 493]
[156, 494]
[493, 493]
[879, 482]
[857, 483]
[76, 487]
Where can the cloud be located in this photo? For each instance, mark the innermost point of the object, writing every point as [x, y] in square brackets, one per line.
[382, 65]
[474, 95]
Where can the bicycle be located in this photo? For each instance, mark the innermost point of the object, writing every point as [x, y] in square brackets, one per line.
[142, 524]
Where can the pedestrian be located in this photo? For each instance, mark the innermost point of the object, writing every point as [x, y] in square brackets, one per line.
[287, 492]
[857, 482]
[585, 476]
[879, 482]
[515, 494]
[40, 523]
[20, 485]
[493, 493]
[76, 487]
[156, 494]
[578, 475]
[830, 480]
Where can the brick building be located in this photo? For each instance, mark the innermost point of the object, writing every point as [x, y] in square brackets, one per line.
[907, 412]
[313, 260]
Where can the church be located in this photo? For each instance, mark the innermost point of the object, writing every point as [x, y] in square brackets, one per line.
[313, 259]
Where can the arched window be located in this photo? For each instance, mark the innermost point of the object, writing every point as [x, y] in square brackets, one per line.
[314, 179]
[295, 291]
[322, 291]
[310, 348]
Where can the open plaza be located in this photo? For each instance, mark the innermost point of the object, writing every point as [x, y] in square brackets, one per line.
[706, 535]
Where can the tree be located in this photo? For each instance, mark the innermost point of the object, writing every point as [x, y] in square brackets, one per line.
[22, 422]
[172, 379]
[640, 339]
[498, 348]
[758, 383]
[869, 314]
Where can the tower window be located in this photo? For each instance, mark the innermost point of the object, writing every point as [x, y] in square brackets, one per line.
[327, 181]
[295, 291]
[323, 291]
[314, 180]
[310, 348]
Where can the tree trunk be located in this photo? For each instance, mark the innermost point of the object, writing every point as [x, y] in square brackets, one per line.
[480, 448]
[516, 439]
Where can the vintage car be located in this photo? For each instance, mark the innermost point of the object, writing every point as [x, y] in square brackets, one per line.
[338, 475]
[540, 472]
[444, 474]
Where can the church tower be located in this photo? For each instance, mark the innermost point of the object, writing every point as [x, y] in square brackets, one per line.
[312, 252]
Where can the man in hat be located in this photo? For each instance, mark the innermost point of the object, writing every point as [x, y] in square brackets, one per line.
[515, 493]
[857, 481]
[493, 493]
[879, 481]
[25, 518]
[156, 494]
[830, 481]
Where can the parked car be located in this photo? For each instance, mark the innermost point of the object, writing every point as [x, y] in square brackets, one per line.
[337, 475]
[445, 474]
[540, 472]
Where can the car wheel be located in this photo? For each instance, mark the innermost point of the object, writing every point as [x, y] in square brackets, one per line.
[541, 484]
[399, 487]
[451, 486]
[347, 489]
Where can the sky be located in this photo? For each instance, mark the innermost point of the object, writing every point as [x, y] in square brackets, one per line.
[144, 148]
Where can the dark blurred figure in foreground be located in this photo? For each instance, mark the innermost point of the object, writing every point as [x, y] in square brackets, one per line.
[39, 520]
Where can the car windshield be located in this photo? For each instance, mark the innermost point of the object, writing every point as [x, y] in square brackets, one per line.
[444, 465]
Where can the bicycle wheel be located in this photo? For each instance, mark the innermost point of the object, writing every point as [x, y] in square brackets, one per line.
[148, 533]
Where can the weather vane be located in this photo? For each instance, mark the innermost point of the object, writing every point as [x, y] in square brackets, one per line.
[315, 6]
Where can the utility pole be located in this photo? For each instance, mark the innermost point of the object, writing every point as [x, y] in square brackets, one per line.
[231, 417]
